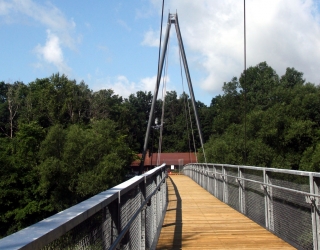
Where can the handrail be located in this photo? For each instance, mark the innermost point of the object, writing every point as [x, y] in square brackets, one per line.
[263, 184]
[275, 170]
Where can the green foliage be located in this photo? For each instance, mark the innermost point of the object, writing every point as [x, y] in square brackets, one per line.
[280, 116]
[311, 159]
[77, 162]
[55, 148]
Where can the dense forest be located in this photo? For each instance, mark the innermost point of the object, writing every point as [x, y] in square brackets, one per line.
[61, 143]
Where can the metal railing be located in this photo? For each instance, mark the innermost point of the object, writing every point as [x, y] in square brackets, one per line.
[286, 202]
[128, 216]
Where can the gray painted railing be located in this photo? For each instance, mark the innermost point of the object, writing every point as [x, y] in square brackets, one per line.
[128, 216]
[286, 202]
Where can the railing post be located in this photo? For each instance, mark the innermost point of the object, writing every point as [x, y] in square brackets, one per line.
[202, 176]
[114, 209]
[215, 181]
[208, 177]
[158, 195]
[225, 186]
[198, 175]
[210, 188]
[143, 213]
[268, 201]
[314, 189]
[115, 212]
[242, 201]
[154, 208]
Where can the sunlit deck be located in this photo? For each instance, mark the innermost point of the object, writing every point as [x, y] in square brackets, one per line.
[197, 220]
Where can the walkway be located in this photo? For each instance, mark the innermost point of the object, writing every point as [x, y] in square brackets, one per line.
[197, 220]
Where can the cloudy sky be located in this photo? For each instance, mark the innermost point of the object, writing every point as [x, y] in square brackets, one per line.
[114, 44]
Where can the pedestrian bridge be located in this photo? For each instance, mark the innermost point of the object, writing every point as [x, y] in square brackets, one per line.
[208, 206]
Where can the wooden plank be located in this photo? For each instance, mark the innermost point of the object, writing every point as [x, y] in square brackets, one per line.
[197, 220]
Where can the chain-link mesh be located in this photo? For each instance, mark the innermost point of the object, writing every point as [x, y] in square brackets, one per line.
[211, 184]
[150, 224]
[97, 232]
[219, 183]
[277, 200]
[254, 196]
[292, 215]
[129, 205]
[232, 187]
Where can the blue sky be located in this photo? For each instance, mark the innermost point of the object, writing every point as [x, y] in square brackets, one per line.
[114, 44]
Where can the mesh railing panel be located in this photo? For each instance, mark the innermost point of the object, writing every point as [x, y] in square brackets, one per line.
[293, 223]
[254, 197]
[150, 225]
[219, 183]
[233, 188]
[94, 233]
[211, 184]
[292, 215]
[130, 204]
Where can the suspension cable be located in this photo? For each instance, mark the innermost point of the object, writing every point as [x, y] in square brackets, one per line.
[192, 132]
[185, 109]
[160, 39]
[245, 76]
[164, 83]
[160, 43]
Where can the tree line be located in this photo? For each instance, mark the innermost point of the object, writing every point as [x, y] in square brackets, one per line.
[61, 142]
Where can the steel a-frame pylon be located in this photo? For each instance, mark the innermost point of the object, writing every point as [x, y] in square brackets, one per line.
[172, 19]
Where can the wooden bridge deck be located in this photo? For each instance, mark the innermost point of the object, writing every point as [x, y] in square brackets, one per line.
[197, 220]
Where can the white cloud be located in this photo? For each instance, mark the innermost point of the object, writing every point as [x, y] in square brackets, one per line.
[148, 83]
[4, 7]
[119, 84]
[151, 38]
[284, 33]
[48, 15]
[60, 30]
[123, 87]
[51, 52]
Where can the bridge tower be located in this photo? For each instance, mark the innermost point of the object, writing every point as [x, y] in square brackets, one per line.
[172, 19]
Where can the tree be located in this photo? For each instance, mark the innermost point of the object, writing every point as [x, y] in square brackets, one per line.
[134, 118]
[105, 104]
[80, 162]
[4, 111]
[259, 84]
[15, 98]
